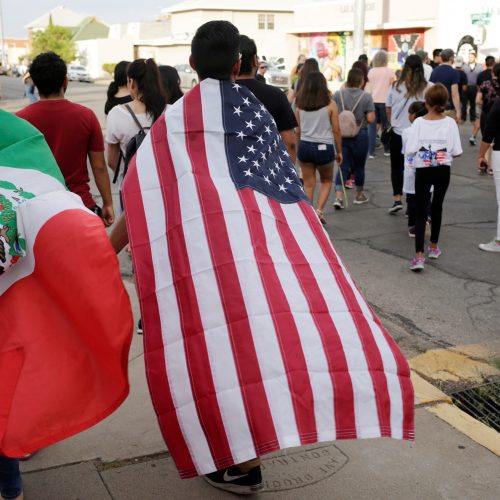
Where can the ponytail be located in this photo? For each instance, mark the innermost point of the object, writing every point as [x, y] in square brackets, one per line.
[119, 78]
[151, 92]
[112, 90]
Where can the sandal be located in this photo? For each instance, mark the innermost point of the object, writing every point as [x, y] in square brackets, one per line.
[320, 216]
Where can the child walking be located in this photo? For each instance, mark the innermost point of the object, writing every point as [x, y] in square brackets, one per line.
[434, 141]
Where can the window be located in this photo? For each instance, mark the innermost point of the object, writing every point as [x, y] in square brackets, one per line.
[262, 21]
[266, 21]
[270, 21]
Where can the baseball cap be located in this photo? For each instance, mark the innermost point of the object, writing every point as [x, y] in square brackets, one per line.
[459, 62]
[422, 54]
[447, 54]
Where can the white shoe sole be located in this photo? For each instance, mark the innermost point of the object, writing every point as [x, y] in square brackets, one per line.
[236, 488]
[359, 202]
[485, 248]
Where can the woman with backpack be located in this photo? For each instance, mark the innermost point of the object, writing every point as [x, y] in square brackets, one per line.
[317, 131]
[356, 112]
[125, 121]
[408, 88]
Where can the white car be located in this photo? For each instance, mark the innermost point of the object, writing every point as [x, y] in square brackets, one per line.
[78, 73]
[188, 76]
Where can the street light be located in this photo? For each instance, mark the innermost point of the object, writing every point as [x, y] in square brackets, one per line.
[2, 46]
[359, 28]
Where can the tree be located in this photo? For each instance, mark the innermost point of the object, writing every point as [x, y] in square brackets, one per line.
[56, 39]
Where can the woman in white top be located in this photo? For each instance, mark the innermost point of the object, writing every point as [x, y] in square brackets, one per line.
[380, 79]
[148, 103]
[317, 131]
[434, 140]
[410, 87]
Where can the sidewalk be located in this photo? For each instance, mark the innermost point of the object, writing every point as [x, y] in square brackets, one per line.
[124, 458]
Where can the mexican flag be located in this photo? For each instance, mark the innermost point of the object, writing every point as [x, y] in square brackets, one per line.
[65, 317]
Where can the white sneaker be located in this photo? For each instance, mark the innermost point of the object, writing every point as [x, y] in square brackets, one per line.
[492, 246]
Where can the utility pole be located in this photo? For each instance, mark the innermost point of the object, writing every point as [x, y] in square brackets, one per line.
[2, 43]
[359, 28]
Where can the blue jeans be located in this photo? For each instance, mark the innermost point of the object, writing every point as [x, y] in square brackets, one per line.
[380, 117]
[30, 92]
[354, 154]
[10, 478]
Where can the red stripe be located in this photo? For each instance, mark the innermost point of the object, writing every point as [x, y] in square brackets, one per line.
[370, 349]
[284, 324]
[156, 370]
[198, 362]
[233, 302]
[345, 419]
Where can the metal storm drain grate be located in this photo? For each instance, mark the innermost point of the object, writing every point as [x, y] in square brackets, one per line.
[482, 403]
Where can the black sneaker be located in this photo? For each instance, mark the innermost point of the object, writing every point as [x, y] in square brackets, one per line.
[139, 326]
[233, 480]
[396, 207]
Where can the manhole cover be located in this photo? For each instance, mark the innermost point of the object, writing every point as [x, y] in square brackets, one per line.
[482, 403]
[301, 467]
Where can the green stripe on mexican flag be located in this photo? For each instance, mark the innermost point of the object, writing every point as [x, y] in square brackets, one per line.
[66, 316]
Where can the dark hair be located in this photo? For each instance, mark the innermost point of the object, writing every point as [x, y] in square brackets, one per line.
[363, 58]
[48, 72]
[437, 97]
[364, 68]
[310, 65]
[496, 71]
[119, 78]
[214, 49]
[313, 93]
[171, 83]
[417, 108]
[248, 51]
[436, 52]
[412, 76]
[150, 89]
[489, 61]
[354, 78]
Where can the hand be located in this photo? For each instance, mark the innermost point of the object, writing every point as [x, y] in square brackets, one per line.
[338, 158]
[480, 160]
[458, 117]
[108, 215]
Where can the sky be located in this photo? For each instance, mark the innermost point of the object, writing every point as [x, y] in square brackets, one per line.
[18, 13]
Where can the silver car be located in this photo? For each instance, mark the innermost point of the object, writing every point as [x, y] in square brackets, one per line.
[277, 77]
[78, 73]
[188, 76]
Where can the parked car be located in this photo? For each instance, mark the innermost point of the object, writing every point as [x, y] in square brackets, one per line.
[3, 70]
[277, 77]
[78, 73]
[188, 76]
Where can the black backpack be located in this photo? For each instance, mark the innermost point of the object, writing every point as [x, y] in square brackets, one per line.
[131, 147]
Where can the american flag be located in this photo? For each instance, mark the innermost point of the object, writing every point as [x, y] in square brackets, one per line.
[256, 337]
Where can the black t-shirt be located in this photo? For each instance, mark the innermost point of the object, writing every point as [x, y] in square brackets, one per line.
[462, 81]
[275, 102]
[484, 76]
[492, 128]
[448, 76]
[114, 101]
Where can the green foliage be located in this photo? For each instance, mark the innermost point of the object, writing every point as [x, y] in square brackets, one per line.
[56, 39]
[109, 68]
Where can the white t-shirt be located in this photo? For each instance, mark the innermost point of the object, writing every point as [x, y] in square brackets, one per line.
[409, 172]
[433, 142]
[121, 127]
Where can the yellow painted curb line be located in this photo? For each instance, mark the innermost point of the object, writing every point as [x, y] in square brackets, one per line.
[472, 428]
[426, 393]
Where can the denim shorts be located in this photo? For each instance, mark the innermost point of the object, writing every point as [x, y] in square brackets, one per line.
[315, 152]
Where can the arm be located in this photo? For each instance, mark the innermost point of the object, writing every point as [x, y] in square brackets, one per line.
[334, 118]
[388, 111]
[101, 177]
[370, 117]
[291, 96]
[119, 235]
[288, 137]
[455, 97]
[113, 156]
[297, 129]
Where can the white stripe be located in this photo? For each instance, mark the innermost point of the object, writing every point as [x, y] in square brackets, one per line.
[218, 340]
[316, 360]
[31, 217]
[261, 322]
[31, 180]
[364, 395]
[388, 361]
[173, 343]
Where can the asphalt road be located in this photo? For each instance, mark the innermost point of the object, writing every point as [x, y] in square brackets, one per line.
[456, 300]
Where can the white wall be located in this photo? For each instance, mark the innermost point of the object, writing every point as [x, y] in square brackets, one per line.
[102, 51]
[171, 55]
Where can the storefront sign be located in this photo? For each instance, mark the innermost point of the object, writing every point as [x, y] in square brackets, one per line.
[483, 19]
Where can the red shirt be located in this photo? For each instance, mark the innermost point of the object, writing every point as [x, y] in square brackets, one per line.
[71, 131]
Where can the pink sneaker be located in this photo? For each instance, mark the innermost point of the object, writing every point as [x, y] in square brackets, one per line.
[433, 253]
[417, 264]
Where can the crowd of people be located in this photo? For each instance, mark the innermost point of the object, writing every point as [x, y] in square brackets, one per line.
[413, 114]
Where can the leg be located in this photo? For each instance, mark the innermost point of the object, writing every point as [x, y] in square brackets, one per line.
[441, 181]
[309, 178]
[10, 478]
[412, 209]
[397, 166]
[326, 178]
[383, 122]
[472, 92]
[360, 151]
[343, 168]
[422, 187]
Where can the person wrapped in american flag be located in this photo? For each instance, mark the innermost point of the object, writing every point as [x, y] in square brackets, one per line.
[256, 337]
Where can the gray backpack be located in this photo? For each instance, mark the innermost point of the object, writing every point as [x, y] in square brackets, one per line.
[347, 120]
